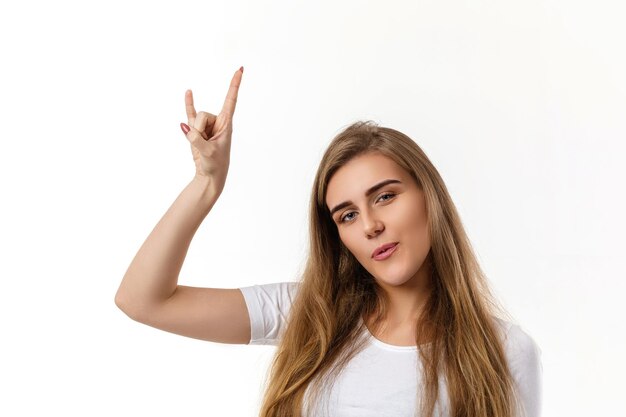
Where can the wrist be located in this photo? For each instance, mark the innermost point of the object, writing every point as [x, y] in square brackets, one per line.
[209, 186]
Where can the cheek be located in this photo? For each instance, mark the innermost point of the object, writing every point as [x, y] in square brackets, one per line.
[417, 225]
[347, 240]
[421, 227]
[423, 234]
[351, 243]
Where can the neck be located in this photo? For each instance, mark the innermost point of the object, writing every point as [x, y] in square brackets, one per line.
[405, 305]
[405, 302]
[398, 326]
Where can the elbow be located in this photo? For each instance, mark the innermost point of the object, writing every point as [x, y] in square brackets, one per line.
[134, 307]
[120, 302]
[123, 303]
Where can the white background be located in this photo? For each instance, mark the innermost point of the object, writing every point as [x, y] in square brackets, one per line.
[520, 105]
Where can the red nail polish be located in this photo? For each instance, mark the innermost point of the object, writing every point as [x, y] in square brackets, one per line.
[185, 128]
[241, 69]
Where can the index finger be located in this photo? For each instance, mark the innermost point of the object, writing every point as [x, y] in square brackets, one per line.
[191, 110]
[231, 96]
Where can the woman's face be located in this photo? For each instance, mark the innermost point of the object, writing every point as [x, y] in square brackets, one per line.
[374, 202]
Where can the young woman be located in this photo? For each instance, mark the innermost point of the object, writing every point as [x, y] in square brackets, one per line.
[392, 316]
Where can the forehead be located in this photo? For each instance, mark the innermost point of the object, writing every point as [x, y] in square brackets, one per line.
[360, 173]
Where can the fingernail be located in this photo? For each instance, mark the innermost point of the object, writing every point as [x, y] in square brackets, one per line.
[185, 128]
[241, 69]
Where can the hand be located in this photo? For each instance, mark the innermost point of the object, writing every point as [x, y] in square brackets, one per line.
[210, 135]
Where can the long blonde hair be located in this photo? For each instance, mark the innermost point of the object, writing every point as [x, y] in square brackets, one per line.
[324, 329]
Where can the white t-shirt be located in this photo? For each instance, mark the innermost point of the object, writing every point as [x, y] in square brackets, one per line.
[382, 380]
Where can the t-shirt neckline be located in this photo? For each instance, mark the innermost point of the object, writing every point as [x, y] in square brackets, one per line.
[387, 346]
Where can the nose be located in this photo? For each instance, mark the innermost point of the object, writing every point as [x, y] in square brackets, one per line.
[372, 226]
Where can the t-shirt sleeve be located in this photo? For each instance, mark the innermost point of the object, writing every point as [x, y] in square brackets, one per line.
[268, 307]
[524, 357]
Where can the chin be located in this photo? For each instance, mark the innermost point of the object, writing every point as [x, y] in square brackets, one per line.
[395, 283]
[392, 279]
[396, 278]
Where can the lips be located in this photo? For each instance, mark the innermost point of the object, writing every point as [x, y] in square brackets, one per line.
[383, 248]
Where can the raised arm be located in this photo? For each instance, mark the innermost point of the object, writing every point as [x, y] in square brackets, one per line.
[149, 291]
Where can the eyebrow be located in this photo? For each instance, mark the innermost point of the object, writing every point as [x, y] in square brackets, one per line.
[369, 192]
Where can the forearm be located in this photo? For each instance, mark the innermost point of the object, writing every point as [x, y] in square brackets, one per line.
[152, 276]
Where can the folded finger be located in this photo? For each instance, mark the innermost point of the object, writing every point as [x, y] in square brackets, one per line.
[204, 123]
[195, 138]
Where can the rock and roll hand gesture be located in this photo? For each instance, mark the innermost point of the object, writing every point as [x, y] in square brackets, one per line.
[210, 135]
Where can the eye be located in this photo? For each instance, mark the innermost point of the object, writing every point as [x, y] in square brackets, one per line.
[344, 218]
[390, 195]
[384, 197]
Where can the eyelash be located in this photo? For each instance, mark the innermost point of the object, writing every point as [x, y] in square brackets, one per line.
[342, 218]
